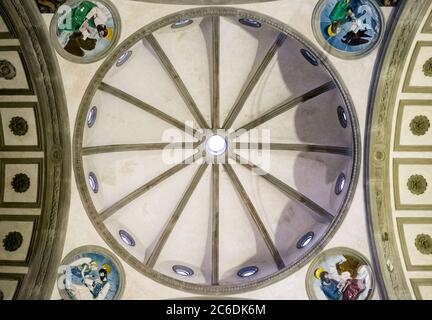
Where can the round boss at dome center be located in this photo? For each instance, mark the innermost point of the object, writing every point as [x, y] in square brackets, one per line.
[216, 145]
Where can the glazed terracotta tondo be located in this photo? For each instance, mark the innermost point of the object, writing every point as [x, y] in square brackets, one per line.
[340, 274]
[348, 28]
[85, 31]
[90, 273]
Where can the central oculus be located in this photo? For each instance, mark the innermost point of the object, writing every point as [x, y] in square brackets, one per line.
[216, 145]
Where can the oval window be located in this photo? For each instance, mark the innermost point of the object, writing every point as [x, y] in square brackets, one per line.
[250, 22]
[340, 183]
[123, 58]
[91, 117]
[247, 271]
[183, 270]
[342, 116]
[93, 182]
[181, 23]
[127, 238]
[309, 57]
[305, 240]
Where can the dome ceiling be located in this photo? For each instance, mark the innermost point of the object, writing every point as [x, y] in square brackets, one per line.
[255, 162]
[216, 151]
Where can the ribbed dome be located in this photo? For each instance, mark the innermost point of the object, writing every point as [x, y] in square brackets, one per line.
[216, 151]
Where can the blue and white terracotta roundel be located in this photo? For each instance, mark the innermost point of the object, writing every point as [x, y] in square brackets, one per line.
[348, 28]
[90, 273]
[340, 274]
[84, 31]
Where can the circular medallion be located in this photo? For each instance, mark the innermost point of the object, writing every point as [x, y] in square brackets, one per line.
[85, 31]
[340, 274]
[348, 28]
[90, 273]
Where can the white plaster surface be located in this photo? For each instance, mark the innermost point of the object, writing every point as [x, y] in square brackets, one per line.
[302, 170]
[190, 241]
[418, 78]
[285, 220]
[21, 154]
[119, 174]
[149, 213]
[426, 292]
[8, 288]
[3, 27]
[241, 49]
[20, 211]
[18, 98]
[119, 122]
[241, 241]
[192, 62]
[9, 42]
[13, 269]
